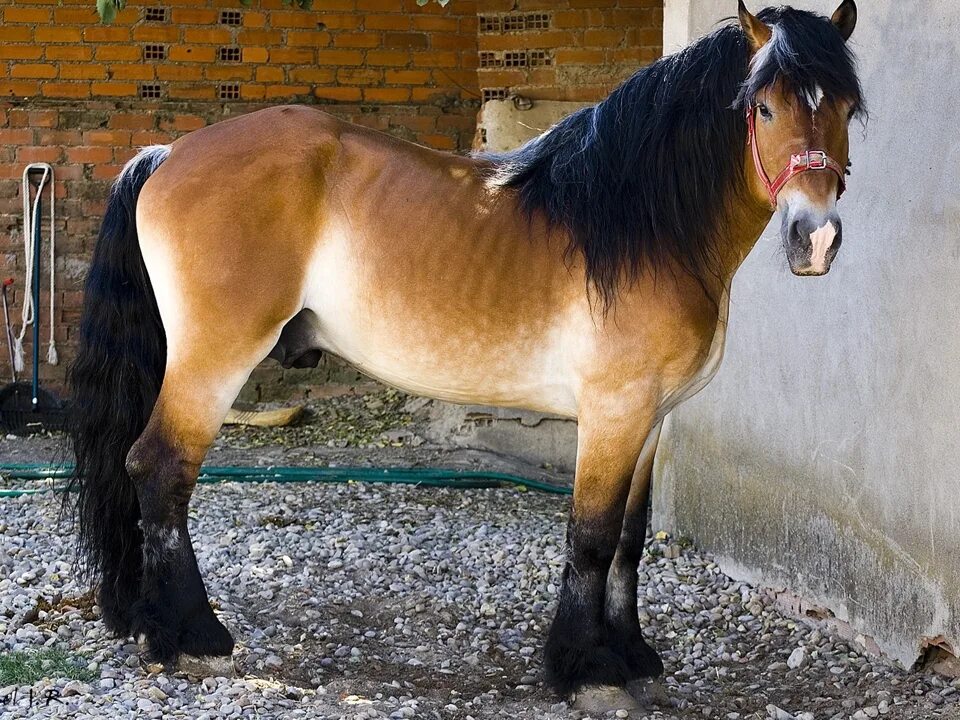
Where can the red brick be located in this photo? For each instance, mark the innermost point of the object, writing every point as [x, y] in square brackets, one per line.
[69, 52]
[269, 74]
[192, 53]
[359, 76]
[405, 40]
[156, 34]
[394, 58]
[454, 42]
[20, 52]
[341, 94]
[429, 23]
[386, 95]
[387, 22]
[43, 118]
[380, 6]
[46, 136]
[106, 34]
[26, 15]
[284, 91]
[318, 76]
[405, 77]
[109, 53]
[339, 22]
[33, 70]
[294, 19]
[252, 92]
[23, 88]
[193, 16]
[89, 154]
[304, 38]
[339, 57]
[257, 37]
[290, 56]
[106, 172]
[75, 16]
[254, 55]
[148, 137]
[228, 72]
[67, 89]
[107, 137]
[29, 154]
[187, 91]
[207, 36]
[356, 40]
[16, 34]
[58, 35]
[16, 137]
[133, 72]
[182, 73]
[82, 72]
[188, 122]
[435, 58]
[602, 37]
[580, 57]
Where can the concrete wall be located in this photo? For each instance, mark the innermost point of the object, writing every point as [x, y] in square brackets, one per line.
[825, 456]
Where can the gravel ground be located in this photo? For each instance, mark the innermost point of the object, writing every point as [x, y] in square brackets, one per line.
[388, 601]
[354, 601]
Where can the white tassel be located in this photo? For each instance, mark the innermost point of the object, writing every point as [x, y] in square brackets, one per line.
[52, 357]
[18, 355]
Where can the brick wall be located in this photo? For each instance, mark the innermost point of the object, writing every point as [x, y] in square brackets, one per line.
[576, 50]
[374, 51]
[83, 96]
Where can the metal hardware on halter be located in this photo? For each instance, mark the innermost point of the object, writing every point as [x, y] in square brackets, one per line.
[801, 163]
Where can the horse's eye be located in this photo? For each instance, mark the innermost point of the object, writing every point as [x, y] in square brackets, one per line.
[764, 111]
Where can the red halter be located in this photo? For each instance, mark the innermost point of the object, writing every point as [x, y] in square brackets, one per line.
[804, 162]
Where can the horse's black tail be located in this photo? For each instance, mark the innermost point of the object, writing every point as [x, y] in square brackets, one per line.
[114, 381]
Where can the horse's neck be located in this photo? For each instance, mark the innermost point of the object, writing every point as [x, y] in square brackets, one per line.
[740, 228]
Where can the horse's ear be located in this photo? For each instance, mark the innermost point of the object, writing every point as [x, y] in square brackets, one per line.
[758, 32]
[845, 18]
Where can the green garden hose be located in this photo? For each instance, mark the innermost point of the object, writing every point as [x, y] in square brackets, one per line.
[428, 477]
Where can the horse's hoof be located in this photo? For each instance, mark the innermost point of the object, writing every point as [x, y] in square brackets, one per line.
[207, 666]
[648, 691]
[601, 699]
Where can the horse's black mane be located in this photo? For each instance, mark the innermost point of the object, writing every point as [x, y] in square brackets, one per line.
[642, 178]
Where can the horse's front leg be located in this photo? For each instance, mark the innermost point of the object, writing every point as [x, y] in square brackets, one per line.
[622, 621]
[581, 656]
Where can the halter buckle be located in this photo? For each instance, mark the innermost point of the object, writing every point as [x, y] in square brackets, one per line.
[812, 160]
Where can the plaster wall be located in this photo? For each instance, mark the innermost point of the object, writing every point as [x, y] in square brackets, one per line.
[825, 456]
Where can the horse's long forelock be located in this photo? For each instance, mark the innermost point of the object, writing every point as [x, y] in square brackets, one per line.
[642, 180]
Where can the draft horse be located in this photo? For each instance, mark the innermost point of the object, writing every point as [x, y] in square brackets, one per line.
[585, 274]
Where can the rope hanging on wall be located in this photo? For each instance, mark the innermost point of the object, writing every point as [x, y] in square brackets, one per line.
[31, 219]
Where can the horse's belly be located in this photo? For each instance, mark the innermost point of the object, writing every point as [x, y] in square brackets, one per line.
[417, 349]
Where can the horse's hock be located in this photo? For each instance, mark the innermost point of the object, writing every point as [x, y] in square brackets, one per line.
[823, 459]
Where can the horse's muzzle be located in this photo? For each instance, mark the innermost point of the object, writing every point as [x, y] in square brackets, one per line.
[811, 241]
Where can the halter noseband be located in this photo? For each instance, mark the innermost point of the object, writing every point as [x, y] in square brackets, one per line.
[804, 162]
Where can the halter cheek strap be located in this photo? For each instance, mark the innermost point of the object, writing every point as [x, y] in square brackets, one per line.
[804, 162]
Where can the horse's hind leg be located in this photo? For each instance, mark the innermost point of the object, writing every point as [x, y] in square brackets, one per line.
[173, 615]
